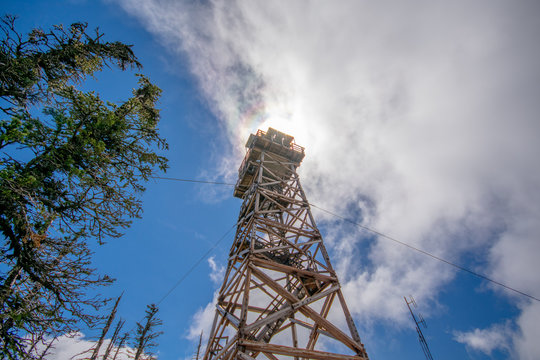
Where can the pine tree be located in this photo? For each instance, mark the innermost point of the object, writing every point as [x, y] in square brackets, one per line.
[72, 167]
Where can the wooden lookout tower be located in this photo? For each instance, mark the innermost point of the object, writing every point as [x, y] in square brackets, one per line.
[279, 287]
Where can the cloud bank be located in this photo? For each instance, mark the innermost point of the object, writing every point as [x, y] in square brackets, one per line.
[77, 346]
[486, 340]
[420, 119]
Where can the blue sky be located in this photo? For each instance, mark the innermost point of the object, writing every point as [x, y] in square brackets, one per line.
[419, 120]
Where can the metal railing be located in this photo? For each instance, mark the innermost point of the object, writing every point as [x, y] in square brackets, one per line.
[292, 145]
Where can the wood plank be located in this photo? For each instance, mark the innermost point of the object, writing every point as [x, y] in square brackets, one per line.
[231, 317]
[270, 318]
[271, 357]
[291, 351]
[309, 312]
[271, 265]
[243, 356]
[226, 348]
[311, 327]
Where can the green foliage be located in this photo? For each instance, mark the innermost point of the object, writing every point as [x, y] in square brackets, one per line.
[34, 67]
[74, 174]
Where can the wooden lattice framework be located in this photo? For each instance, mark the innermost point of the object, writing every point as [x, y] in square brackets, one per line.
[279, 286]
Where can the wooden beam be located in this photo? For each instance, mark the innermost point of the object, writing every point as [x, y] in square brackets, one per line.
[271, 265]
[226, 348]
[231, 317]
[243, 356]
[287, 246]
[311, 327]
[270, 318]
[309, 312]
[291, 351]
[270, 356]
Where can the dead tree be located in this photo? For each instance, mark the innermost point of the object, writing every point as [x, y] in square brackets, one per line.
[146, 334]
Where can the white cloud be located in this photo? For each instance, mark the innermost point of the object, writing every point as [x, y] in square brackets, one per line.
[526, 340]
[76, 346]
[505, 337]
[496, 337]
[203, 318]
[202, 321]
[217, 271]
[421, 117]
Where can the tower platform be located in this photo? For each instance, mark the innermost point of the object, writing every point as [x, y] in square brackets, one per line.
[272, 141]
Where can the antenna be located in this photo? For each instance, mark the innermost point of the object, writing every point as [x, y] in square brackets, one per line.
[417, 321]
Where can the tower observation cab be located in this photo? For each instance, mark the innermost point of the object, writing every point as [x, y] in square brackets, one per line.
[272, 141]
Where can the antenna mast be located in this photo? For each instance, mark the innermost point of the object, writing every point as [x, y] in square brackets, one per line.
[420, 320]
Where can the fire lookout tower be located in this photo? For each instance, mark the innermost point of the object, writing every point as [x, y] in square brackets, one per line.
[279, 287]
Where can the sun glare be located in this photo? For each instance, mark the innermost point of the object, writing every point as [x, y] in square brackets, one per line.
[283, 116]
